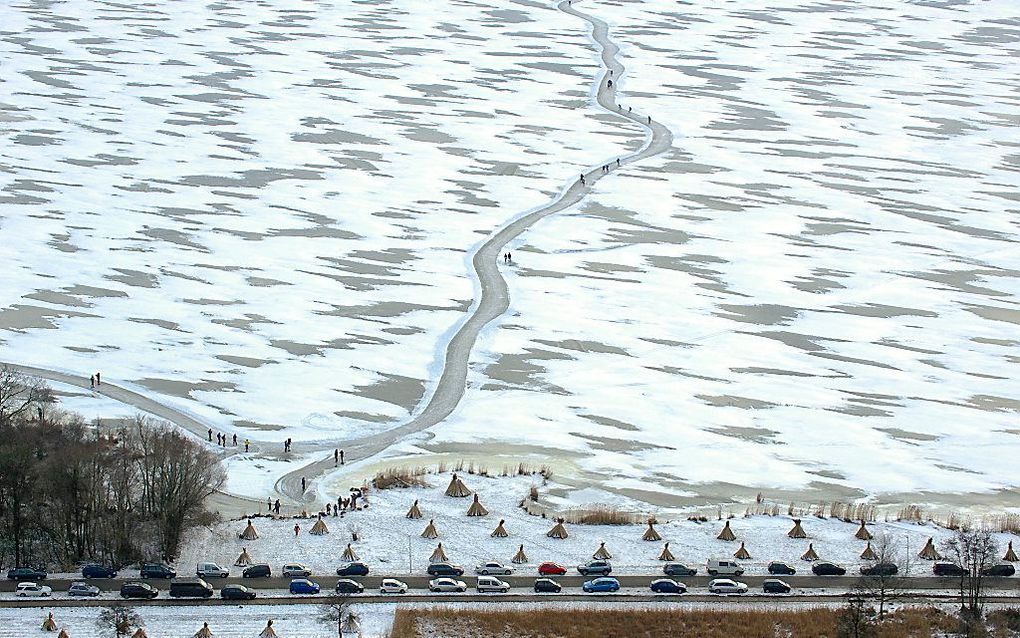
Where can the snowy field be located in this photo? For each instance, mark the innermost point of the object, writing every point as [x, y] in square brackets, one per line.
[391, 543]
[813, 295]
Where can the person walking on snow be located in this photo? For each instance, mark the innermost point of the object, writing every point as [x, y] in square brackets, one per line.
[336, 457]
[210, 435]
[92, 381]
[276, 506]
[303, 484]
[341, 451]
[98, 382]
[246, 444]
[297, 528]
[235, 440]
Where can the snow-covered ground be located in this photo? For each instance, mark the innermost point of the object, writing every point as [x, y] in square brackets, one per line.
[391, 543]
[263, 216]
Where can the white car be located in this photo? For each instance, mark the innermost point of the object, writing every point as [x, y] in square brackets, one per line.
[211, 570]
[493, 567]
[726, 586]
[491, 583]
[32, 589]
[392, 586]
[447, 584]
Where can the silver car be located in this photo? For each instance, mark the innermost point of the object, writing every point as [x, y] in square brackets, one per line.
[82, 589]
[494, 567]
[726, 586]
[446, 584]
[296, 570]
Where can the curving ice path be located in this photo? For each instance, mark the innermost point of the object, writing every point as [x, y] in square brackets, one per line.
[493, 301]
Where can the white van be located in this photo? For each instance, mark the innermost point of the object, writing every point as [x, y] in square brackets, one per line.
[491, 583]
[725, 567]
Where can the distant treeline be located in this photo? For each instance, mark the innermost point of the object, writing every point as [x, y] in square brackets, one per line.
[71, 493]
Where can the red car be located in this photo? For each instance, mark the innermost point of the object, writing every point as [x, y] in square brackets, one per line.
[551, 569]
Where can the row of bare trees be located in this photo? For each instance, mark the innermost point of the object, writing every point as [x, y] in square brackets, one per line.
[72, 492]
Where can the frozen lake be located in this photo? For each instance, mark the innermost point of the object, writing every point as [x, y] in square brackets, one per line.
[265, 215]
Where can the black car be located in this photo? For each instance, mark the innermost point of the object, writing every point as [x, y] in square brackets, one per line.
[354, 569]
[138, 590]
[1002, 569]
[827, 569]
[880, 569]
[678, 569]
[236, 592]
[668, 586]
[780, 568]
[98, 571]
[948, 569]
[157, 570]
[775, 586]
[547, 585]
[348, 586]
[445, 569]
[26, 574]
[257, 571]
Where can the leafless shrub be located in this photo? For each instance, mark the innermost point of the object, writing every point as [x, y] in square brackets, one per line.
[393, 477]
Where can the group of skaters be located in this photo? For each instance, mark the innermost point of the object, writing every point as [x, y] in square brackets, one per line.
[221, 440]
[357, 500]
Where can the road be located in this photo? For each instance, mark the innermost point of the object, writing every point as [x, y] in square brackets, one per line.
[492, 302]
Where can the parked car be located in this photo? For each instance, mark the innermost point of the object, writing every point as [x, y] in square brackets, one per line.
[157, 570]
[678, 569]
[32, 590]
[947, 569]
[211, 570]
[446, 584]
[348, 586]
[445, 569]
[236, 592]
[668, 586]
[26, 574]
[257, 571]
[303, 586]
[1002, 569]
[726, 586]
[79, 588]
[547, 585]
[356, 568]
[296, 570]
[880, 569]
[775, 586]
[392, 586]
[491, 583]
[138, 590]
[779, 568]
[595, 568]
[98, 571]
[493, 567]
[551, 569]
[602, 584]
[724, 566]
[827, 569]
[191, 588]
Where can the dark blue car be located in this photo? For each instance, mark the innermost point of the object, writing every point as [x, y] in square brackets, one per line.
[601, 584]
[303, 586]
[98, 571]
[356, 568]
[668, 586]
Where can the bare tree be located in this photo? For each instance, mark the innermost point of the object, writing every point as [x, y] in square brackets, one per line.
[334, 610]
[19, 394]
[120, 619]
[855, 619]
[973, 551]
[883, 581]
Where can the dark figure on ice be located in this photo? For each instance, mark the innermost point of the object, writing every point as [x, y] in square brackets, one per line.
[297, 528]
[98, 382]
[582, 179]
[276, 506]
[235, 440]
[336, 457]
[218, 438]
[246, 444]
[303, 484]
[617, 162]
[342, 452]
[609, 84]
[210, 435]
[92, 381]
